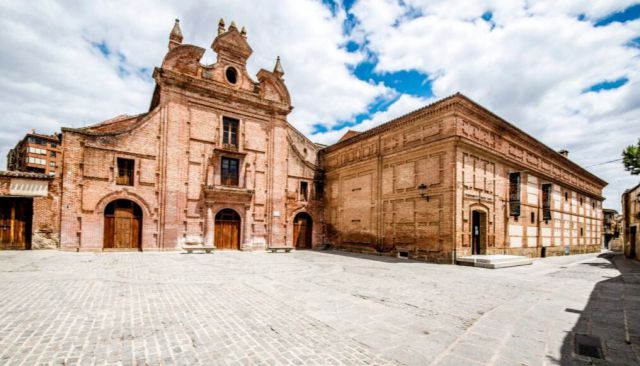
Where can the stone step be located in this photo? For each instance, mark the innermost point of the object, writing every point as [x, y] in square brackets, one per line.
[494, 261]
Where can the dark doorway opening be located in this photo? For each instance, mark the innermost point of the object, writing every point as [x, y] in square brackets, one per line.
[632, 241]
[16, 215]
[478, 232]
[227, 233]
[123, 225]
[302, 231]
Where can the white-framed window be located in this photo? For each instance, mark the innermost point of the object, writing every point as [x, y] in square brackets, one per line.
[38, 161]
[35, 150]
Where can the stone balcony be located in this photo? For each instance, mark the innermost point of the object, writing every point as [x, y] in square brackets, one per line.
[220, 193]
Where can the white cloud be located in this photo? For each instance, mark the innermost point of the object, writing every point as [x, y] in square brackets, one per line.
[531, 65]
[404, 104]
[53, 76]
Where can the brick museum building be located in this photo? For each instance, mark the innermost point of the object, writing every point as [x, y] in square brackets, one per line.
[215, 162]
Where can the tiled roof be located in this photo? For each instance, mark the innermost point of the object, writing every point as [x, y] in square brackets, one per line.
[15, 174]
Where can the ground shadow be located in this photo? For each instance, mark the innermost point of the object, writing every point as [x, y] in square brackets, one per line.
[371, 257]
[608, 329]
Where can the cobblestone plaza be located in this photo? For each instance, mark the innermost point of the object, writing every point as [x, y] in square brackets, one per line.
[306, 307]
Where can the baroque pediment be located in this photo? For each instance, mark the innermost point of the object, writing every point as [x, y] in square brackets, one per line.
[232, 46]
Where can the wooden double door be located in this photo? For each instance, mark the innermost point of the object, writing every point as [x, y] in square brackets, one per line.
[302, 231]
[122, 225]
[15, 222]
[227, 230]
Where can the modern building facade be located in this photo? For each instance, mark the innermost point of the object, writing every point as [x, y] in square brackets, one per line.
[631, 222]
[453, 179]
[36, 153]
[215, 162]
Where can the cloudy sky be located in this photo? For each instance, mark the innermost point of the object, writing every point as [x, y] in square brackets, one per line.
[565, 71]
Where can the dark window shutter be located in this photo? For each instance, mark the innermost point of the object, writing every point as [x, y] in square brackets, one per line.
[546, 201]
[514, 194]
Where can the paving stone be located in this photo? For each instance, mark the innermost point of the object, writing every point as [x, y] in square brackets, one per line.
[301, 308]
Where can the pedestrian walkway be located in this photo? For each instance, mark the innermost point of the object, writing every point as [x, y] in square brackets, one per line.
[310, 308]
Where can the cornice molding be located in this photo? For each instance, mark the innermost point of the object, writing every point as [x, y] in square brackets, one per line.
[214, 89]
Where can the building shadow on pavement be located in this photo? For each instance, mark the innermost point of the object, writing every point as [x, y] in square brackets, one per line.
[371, 257]
[608, 330]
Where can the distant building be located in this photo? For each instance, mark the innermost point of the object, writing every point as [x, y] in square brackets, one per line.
[36, 153]
[631, 221]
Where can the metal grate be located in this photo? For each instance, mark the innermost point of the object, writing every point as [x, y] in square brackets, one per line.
[588, 346]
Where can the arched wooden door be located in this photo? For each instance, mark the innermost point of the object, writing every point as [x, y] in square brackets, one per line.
[122, 225]
[302, 230]
[227, 233]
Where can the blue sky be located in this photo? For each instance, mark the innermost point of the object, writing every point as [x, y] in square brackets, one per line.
[417, 83]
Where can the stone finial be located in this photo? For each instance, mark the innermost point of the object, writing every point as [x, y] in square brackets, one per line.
[243, 32]
[277, 70]
[175, 37]
[221, 26]
[233, 25]
[176, 32]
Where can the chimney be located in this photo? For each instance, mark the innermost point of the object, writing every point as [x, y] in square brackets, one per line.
[564, 153]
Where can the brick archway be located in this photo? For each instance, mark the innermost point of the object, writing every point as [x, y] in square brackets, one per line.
[122, 225]
[228, 225]
[303, 231]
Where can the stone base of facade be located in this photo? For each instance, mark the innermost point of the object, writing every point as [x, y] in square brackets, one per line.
[45, 240]
[444, 257]
[548, 251]
[430, 256]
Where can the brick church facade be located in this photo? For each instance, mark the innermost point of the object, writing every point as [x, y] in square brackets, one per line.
[215, 162]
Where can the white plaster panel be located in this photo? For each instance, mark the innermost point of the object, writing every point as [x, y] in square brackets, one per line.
[28, 187]
[515, 230]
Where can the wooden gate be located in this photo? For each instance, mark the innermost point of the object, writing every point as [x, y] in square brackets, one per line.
[122, 225]
[302, 231]
[15, 223]
[227, 234]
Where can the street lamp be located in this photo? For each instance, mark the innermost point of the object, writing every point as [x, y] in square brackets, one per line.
[423, 191]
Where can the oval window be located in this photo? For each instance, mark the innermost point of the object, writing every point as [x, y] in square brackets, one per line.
[232, 75]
